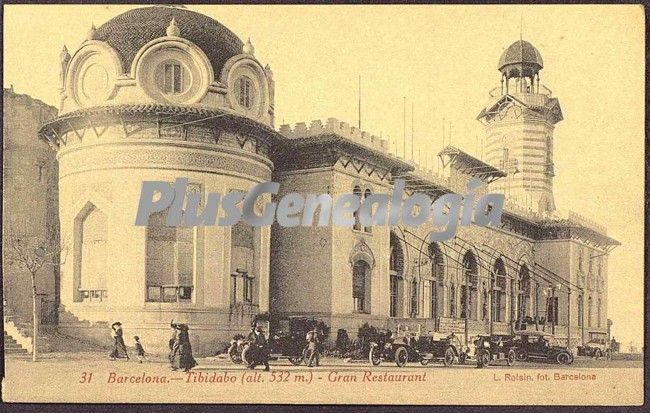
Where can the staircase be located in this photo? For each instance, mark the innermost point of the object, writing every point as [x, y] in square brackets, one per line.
[12, 347]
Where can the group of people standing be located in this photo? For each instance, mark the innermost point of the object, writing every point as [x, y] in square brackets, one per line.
[180, 348]
[260, 346]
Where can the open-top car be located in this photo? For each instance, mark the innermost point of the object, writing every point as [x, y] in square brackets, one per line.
[539, 346]
[403, 346]
[598, 346]
[439, 347]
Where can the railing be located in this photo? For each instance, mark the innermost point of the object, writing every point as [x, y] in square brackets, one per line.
[169, 293]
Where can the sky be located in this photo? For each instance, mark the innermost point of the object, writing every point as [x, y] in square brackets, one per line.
[443, 60]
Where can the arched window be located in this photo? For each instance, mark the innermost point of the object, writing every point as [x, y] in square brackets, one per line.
[581, 310]
[173, 79]
[357, 224]
[590, 304]
[242, 267]
[396, 266]
[437, 273]
[469, 291]
[524, 292]
[94, 256]
[169, 261]
[360, 286]
[245, 92]
[414, 298]
[484, 307]
[365, 196]
[598, 312]
[452, 301]
[499, 286]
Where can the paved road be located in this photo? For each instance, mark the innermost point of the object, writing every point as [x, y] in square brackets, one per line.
[69, 377]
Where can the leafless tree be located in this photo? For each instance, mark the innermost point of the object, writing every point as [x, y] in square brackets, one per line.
[32, 254]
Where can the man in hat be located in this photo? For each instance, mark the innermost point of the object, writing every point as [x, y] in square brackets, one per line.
[118, 341]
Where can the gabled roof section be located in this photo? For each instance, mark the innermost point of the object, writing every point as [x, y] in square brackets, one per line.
[470, 165]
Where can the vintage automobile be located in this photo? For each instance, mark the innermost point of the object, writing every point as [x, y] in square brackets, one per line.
[286, 336]
[495, 347]
[439, 347]
[538, 346]
[598, 346]
[403, 346]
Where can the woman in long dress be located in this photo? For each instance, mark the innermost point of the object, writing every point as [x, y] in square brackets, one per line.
[182, 350]
[118, 339]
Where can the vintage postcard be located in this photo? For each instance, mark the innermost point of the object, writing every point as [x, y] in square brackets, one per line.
[324, 204]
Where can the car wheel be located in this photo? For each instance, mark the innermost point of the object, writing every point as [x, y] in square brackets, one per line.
[373, 356]
[564, 358]
[235, 357]
[511, 357]
[244, 355]
[401, 356]
[486, 358]
[449, 357]
[522, 355]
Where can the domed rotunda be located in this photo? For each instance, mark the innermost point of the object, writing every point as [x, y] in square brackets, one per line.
[155, 94]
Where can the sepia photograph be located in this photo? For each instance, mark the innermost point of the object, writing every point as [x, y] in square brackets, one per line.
[324, 204]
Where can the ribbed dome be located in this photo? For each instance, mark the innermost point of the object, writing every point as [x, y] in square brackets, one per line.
[129, 31]
[521, 52]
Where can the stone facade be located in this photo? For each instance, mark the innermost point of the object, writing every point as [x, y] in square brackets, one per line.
[128, 115]
[30, 199]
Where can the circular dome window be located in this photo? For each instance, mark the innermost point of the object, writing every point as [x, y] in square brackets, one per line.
[245, 92]
[172, 77]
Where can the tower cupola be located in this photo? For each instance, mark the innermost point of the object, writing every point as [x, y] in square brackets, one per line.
[520, 61]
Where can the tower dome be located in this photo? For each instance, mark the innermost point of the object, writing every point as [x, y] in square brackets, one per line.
[520, 59]
[129, 31]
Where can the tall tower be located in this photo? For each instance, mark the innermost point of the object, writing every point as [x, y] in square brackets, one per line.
[519, 122]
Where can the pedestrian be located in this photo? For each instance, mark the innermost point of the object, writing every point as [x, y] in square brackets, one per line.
[118, 341]
[139, 350]
[261, 352]
[181, 356]
[314, 348]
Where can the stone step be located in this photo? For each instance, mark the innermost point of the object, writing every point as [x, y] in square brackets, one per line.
[18, 350]
[11, 346]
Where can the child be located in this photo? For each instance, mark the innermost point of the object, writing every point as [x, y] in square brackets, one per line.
[139, 350]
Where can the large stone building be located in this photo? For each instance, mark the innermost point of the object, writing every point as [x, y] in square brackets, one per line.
[158, 93]
[29, 205]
